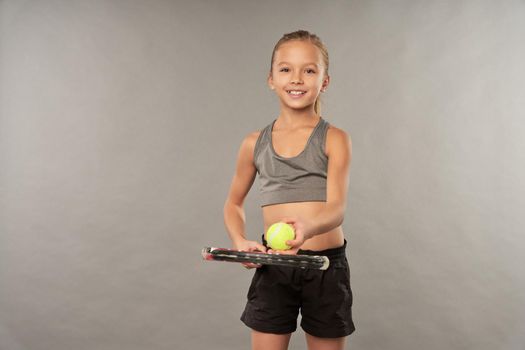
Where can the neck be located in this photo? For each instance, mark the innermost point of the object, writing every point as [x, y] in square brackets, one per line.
[295, 117]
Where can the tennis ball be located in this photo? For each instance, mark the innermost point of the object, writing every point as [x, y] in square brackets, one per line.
[278, 234]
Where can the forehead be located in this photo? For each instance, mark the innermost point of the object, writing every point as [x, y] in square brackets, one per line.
[298, 52]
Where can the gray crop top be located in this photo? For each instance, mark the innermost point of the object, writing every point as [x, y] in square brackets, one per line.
[295, 179]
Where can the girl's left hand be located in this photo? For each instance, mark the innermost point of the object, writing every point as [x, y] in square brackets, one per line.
[302, 233]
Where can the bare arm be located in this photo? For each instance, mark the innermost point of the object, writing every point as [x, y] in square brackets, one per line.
[234, 216]
[339, 151]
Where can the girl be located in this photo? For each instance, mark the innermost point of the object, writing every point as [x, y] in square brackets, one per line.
[303, 164]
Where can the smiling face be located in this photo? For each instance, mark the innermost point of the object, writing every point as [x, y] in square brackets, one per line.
[298, 74]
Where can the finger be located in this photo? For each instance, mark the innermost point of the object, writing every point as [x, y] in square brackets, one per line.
[287, 252]
[261, 248]
[252, 249]
[294, 243]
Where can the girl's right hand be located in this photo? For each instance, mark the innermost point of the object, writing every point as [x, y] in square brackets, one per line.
[249, 246]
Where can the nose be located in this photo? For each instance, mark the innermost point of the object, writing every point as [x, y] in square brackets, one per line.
[297, 79]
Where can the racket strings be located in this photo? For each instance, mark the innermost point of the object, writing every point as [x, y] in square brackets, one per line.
[283, 260]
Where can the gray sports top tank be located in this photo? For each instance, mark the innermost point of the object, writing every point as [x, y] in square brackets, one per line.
[295, 179]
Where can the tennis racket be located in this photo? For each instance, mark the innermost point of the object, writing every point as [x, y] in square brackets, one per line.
[301, 261]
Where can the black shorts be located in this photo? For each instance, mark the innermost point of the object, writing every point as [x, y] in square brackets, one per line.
[324, 298]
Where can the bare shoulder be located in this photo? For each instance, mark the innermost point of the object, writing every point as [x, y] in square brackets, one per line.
[337, 133]
[253, 136]
[247, 147]
[337, 140]
[250, 139]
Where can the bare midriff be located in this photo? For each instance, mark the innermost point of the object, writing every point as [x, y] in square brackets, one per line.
[326, 240]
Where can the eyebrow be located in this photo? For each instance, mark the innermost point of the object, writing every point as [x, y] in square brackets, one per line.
[306, 64]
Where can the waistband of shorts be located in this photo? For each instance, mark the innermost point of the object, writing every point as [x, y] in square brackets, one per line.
[331, 253]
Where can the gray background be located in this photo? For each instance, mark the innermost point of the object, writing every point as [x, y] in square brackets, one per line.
[120, 124]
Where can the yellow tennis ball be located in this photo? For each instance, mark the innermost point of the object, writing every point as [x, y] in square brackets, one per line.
[278, 234]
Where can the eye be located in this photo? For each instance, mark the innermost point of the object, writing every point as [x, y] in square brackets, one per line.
[310, 70]
[284, 69]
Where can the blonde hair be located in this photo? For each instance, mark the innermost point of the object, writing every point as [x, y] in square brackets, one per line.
[304, 35]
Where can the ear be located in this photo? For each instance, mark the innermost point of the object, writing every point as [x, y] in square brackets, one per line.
[270, 81]
[326, 82]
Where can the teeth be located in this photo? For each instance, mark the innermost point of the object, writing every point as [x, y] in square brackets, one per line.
[294, 92]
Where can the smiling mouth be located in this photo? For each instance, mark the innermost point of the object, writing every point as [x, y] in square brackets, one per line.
[296, 92]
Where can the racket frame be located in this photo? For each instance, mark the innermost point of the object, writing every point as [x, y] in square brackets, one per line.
[318, 262]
